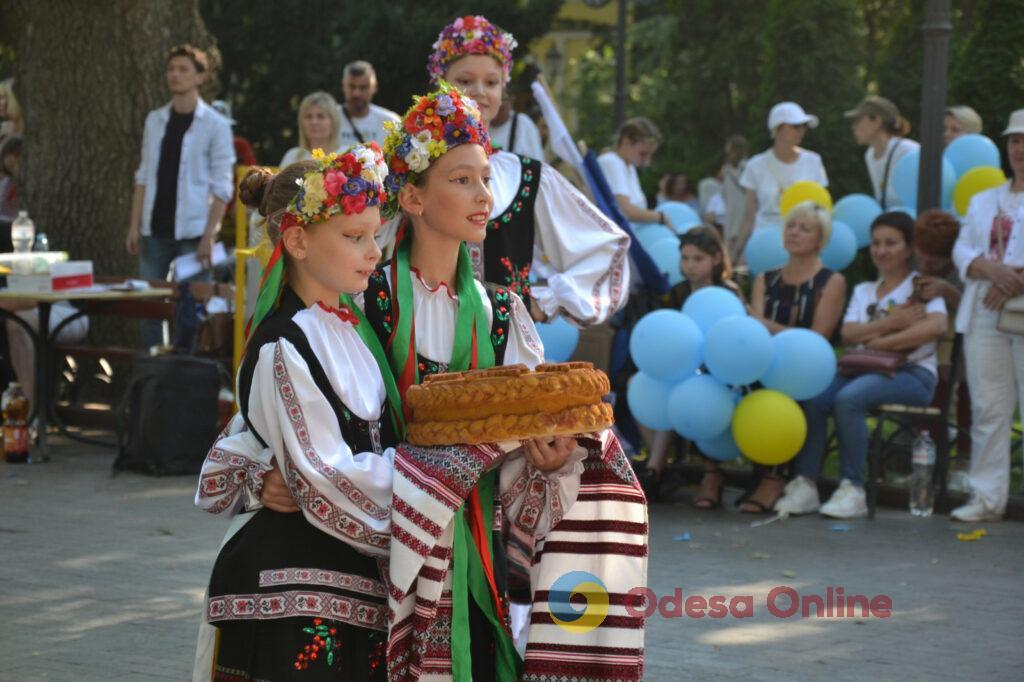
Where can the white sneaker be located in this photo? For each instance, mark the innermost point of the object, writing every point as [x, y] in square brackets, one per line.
[975, 511]
[847, 502]
[799, 497]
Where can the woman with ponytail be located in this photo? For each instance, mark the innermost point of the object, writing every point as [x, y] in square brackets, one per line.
[878, 125]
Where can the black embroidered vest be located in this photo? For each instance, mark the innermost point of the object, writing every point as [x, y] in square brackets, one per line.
[360, 434]
[379, 310]
[508, 247]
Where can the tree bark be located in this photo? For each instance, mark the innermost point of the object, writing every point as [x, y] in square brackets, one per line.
[86, 75]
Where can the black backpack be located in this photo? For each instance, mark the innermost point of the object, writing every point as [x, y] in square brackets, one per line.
[167, 419]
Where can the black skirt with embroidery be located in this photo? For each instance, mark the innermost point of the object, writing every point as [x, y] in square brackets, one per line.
[291, 602]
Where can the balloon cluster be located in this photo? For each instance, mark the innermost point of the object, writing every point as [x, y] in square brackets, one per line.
[696, 365]
[970, 165]
[662, 243]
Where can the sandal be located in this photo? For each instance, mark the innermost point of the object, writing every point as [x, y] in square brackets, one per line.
[707, 501]
[758, 507]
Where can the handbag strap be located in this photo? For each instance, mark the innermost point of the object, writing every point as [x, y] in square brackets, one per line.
[885, 174]
[351, 123]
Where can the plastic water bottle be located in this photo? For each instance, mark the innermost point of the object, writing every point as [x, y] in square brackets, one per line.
[922, 493]
[23, 233]
[42, 242]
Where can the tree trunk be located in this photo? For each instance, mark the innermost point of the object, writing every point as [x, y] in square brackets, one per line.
[86, 74]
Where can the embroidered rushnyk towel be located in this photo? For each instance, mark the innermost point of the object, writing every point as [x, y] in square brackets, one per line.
[603, 533]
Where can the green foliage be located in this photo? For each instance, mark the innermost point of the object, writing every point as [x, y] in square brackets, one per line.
[275, 53]
[988, 71]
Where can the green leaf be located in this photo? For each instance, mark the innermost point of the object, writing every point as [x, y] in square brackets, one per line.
[309, 631]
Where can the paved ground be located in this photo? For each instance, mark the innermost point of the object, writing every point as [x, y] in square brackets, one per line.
[101, 579]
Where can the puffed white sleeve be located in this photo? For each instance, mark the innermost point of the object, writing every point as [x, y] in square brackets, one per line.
[580, 255]
[524, 344]
[231, 478]
[344, 493]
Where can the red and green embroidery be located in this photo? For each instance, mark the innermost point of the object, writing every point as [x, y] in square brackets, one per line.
[383, 300]
[517, 206]
[323, 647]
[518, 280]
[502, 305]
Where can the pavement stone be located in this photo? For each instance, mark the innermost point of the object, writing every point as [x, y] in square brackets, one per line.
[101, 578]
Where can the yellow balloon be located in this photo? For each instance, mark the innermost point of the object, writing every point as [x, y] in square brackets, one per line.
[973, 181]
[802, 191]
[769, 427]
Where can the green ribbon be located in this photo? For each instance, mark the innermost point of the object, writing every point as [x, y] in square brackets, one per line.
[468, 575]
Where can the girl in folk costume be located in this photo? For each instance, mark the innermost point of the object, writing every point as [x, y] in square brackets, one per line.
[446, 580]
[539, 223]
[317, 401]
[446, 585]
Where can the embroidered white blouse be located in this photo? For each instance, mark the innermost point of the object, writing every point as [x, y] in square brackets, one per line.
[342, 492]
[580, 256]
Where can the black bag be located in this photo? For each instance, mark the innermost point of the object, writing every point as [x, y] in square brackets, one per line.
[167, 419]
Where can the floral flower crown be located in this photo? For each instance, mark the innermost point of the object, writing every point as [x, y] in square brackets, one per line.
[470, 35]
[435, 123]
[342, 183]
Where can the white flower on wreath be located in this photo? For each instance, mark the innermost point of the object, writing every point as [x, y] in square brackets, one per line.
[423, 137]
[418, 160]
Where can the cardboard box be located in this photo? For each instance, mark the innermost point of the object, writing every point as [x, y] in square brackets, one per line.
[63, 276]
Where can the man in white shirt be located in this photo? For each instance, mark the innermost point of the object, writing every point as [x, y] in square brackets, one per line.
[185, 176]
[361, 119]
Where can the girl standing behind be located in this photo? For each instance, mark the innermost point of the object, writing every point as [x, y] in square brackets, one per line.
[704, 262]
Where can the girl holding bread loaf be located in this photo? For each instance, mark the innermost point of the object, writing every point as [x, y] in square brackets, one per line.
[302, 595]
[453, 556]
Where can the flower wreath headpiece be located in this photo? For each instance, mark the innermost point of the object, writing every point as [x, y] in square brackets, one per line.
[341, 183]
[470, 35]
[435, 123]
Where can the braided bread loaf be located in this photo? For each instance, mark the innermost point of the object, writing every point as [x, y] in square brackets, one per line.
[508, 403]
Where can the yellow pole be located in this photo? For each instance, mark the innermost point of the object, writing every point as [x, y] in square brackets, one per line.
[241, 255]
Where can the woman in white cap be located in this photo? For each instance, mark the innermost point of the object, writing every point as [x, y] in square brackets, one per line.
[990, 256]
[877, 123]
[768, 174]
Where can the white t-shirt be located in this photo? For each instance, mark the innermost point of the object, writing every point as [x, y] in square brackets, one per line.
[768, 178]
[527, 142]
[865, 295]
[876, 168]
[371, 126]
[622, 178]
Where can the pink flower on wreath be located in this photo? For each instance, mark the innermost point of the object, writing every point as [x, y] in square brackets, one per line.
[353, 203]
[333, 181]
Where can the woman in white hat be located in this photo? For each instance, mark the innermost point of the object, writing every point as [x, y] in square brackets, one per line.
[768, 174]
[990, 256]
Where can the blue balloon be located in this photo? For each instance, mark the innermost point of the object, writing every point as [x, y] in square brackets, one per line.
[738, 350]
[680, 215]
[803, 365]
[559, 338]
[905, 175]
[722, 447]
[764, 250]
[665, 254]
[841, 248]
[970, 151]
[648, 401]
[700, 407]
[666, 345]
[648, 235]
[710, 304]
[857, 211]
